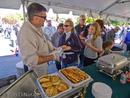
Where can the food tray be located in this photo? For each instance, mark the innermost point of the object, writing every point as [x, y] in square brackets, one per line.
[43, 95]
[77, 84]
[23, 87]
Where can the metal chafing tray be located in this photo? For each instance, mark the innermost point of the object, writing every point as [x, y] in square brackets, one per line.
[77, 84]
[23, 87]
[112, 64]
[43, 94]
[67, 94]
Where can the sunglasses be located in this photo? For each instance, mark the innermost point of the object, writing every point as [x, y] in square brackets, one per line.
[83, 19]
[66, 25]
[44, 17]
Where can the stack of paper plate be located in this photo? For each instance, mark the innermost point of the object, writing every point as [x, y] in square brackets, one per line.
[101, 90]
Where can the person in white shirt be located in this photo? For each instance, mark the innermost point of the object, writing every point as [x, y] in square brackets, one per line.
[33, 44]
[49, 30]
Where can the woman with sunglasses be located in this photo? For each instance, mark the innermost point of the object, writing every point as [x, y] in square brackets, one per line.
[69, 38]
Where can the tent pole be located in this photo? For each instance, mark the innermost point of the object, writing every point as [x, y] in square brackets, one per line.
[127, 21]
[91, 15]
[57, 17]
[24, 14]
[109, 6]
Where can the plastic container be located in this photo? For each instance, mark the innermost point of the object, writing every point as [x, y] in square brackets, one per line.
[17, 53]
[20, 68]
[123, 78]
[101, 90]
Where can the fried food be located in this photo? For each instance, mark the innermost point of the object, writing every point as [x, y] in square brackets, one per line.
[47, 84]
[55, 80]
[44, 78]
[52, 85]
[51, 91]
[61, 87]
[74, 75]
[72, 79]
[81, 73]
[64, 47]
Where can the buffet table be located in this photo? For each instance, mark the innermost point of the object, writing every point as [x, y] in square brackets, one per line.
[25, 85]
[119, 90]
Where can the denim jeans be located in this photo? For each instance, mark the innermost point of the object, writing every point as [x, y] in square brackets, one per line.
[128, 46]
[63, 65]
[82, 58]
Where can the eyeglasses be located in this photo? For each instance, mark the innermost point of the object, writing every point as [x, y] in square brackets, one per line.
[44, 17]
[83, 19]
[66, 25]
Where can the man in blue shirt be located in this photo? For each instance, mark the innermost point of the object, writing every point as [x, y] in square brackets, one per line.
[127, 40]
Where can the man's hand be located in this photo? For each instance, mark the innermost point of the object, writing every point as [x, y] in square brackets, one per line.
[54, 48]
[56, 56]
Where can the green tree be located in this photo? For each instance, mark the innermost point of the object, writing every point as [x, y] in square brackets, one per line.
[115, 23]
[14, 18]
[19, 16]
[62, 20]
[88, 19]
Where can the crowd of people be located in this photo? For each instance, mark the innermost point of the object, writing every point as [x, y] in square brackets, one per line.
[9, 32]
[9, 29]
[86, 43]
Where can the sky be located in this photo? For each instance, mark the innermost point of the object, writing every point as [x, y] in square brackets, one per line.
[4, 12]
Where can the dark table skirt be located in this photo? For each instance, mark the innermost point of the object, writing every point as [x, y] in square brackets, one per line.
[119, 90]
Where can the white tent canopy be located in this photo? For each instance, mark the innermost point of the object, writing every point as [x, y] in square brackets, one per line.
[114, 9]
